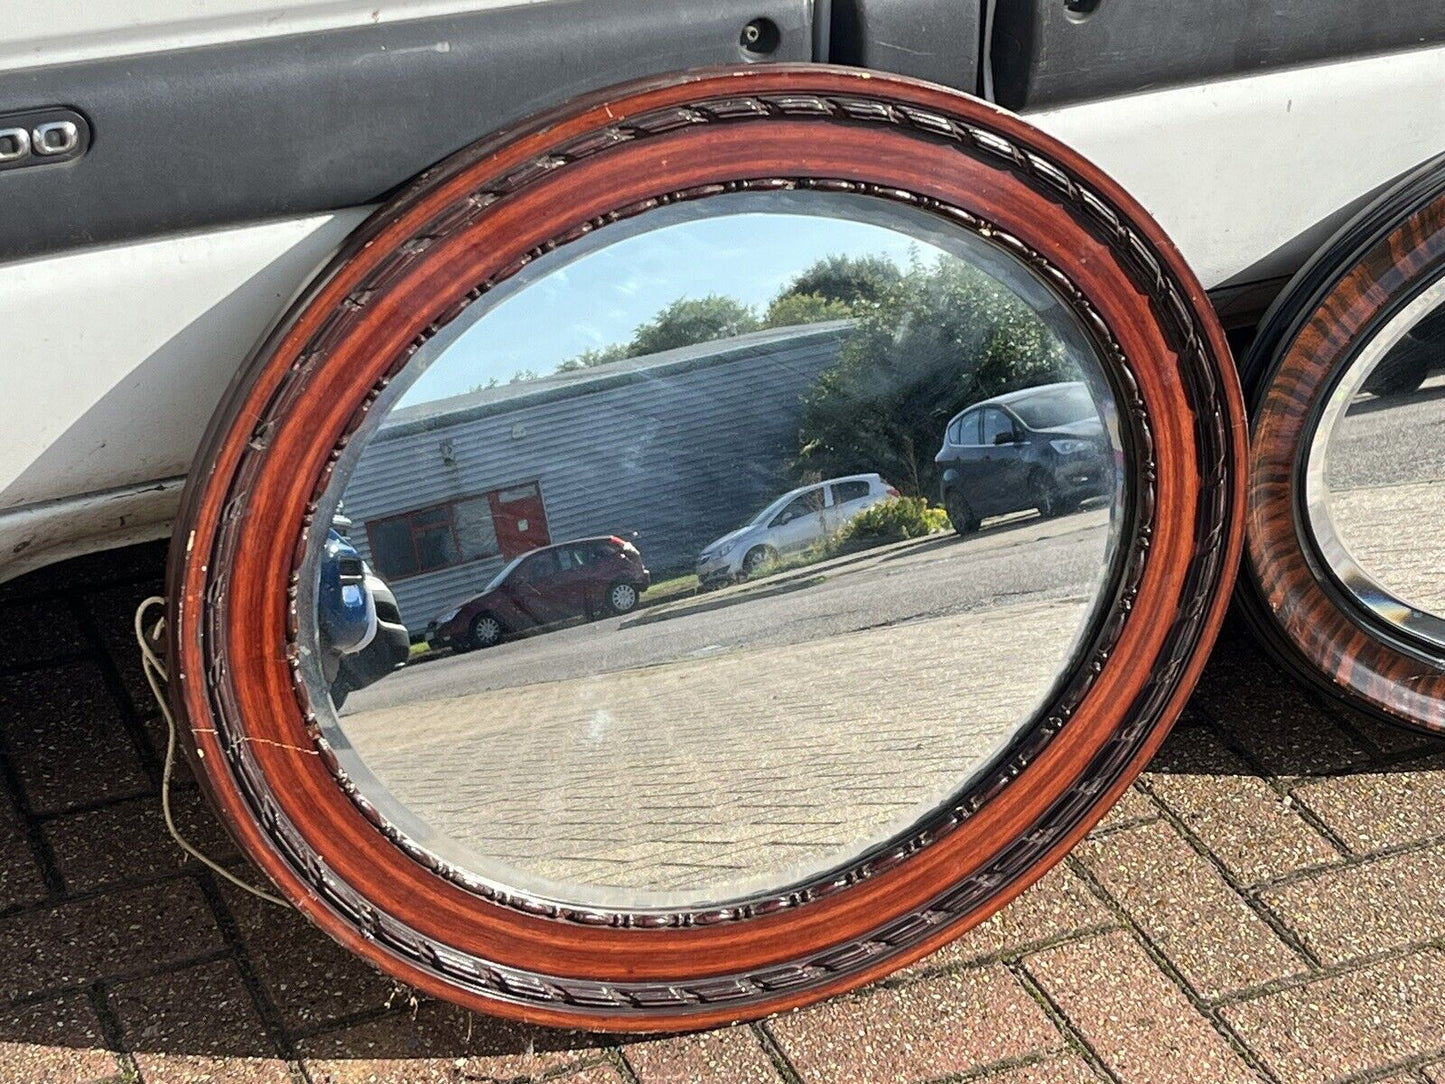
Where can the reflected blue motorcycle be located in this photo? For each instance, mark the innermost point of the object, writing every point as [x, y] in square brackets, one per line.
[362, 635]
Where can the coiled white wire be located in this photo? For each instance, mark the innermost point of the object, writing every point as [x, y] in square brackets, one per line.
[156, 678]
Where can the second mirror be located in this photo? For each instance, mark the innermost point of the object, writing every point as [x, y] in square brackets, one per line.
[1347, 480]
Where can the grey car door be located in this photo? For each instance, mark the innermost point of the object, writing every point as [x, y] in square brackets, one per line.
[801, 522]
[1001, 477]
[968, 460]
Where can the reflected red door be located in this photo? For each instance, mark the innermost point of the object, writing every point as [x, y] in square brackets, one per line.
[520, 519]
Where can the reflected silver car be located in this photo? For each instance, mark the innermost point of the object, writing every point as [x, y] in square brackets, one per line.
[798, 519]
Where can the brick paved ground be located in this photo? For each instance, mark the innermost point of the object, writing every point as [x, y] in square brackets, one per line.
[741, 768]
[1265, 904]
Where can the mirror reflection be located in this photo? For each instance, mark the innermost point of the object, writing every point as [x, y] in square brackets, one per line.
[715, 549]
[1376, 484]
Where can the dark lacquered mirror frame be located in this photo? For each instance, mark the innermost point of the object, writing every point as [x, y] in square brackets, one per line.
[1330, 311]
[480, 217]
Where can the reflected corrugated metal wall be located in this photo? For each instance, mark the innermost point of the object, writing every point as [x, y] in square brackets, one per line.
[676, 449]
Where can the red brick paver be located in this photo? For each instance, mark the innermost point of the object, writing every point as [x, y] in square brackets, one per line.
[1361, 910]
[1058, 905]
[58, 1042]
[1067, 1070]
[21, 881]
[1251, 829]
[596, 1074]
[1183, 904]
[1265, 904]
[1139, 1023]
[70, 944]
[183, 1027]
[726, 1056]
[1373, 810]
[1341, 1027]
[934, 1027]
[431, 1042]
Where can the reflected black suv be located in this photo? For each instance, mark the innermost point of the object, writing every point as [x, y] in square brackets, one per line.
[1043, 447]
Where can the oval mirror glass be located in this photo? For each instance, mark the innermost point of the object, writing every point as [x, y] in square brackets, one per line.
[713, 550]
[1376, 473]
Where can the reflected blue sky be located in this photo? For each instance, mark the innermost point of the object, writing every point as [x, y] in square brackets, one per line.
[602, 297]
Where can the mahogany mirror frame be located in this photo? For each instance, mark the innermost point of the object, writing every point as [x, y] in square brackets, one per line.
[1332, 308]
[478, 218]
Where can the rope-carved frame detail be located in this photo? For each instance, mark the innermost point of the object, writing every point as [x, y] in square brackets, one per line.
[1167, 300]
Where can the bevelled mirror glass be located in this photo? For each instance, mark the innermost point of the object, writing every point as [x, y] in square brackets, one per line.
[1376, 473]
[705, 548]
[713, 550]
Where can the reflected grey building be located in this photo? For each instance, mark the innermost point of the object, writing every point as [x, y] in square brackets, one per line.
[670, 451]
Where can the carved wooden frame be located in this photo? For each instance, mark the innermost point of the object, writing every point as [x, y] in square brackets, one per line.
[1329, 312]
[480, 217]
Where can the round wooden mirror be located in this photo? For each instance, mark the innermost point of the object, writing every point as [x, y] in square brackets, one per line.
[1347, 470]
[704, 549]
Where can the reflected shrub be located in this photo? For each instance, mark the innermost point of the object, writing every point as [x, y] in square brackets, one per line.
[894, 521]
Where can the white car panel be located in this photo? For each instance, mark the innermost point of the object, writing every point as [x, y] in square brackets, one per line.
[36, 535]
[130, 347]
[36, 32]
[127, 352]
[1235, 169]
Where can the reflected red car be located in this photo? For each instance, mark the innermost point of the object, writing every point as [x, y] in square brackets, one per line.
[587, 577]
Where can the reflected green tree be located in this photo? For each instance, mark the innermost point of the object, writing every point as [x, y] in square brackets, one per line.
[834, 288]
[685, 322]
[789, 310]
[591, 358]
[851, 281]
[944, 335]
[690, 320]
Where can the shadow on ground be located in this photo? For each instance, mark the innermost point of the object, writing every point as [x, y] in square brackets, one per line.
[112, 946]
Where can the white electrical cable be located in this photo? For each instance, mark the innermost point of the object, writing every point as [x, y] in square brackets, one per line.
[156, 677]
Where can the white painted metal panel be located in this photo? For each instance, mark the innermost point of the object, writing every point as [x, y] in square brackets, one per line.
[126, 352]
[1235, 169]
[35, 32]
[132, 345]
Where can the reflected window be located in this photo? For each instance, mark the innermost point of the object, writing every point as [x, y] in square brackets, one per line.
[843, 492]
[997, 424]
[579, 556]
[965, 430]
[1063, 405]
[498, 523]
[538, 568]
[433, 538]
[808, 504]
[475, 527]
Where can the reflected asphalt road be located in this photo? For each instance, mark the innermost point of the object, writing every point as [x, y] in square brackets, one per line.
[1391, 440]
[1022, 561]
